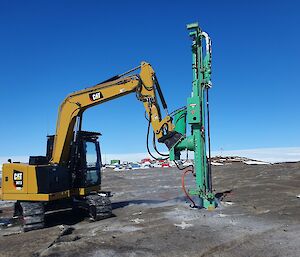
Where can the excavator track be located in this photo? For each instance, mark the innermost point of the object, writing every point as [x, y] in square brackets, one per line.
[33, 214]
[99, 207]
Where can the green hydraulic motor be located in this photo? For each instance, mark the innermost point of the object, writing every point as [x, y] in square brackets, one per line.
[196, 114]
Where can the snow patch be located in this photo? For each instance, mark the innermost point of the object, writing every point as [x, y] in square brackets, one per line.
[222, 215]
[217, 164]
[227, 203]
[137, 220]
[256, 163]
[184, 225]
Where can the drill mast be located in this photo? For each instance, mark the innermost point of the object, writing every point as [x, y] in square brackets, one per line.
[197, 116]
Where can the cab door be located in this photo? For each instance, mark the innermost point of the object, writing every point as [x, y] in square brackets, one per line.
[92, 162]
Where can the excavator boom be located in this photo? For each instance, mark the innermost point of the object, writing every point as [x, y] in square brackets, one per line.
[144, 84]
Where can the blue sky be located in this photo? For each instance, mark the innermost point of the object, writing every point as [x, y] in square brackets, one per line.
[51, 48]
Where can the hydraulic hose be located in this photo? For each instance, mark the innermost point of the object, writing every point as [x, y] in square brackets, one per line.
[147, 141]
[155, 148]
[193, 205]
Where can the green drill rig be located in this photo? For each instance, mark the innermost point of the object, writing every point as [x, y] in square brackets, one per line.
[196, 114]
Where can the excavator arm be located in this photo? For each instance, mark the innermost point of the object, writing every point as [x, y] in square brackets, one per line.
[146, 87]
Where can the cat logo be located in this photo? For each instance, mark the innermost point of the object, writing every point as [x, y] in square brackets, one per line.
[96, 96]
[18, 179]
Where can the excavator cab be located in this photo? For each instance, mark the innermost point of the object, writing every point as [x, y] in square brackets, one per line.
[85, 159]
[89, 163]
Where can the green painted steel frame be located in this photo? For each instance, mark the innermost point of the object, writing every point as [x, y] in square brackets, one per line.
[195, 114]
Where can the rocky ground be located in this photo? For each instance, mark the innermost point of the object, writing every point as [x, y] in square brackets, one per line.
[258, 215]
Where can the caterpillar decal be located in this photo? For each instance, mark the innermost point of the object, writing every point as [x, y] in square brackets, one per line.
[96, 96]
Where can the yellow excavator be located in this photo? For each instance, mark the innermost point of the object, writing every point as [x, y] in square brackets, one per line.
[70, 173]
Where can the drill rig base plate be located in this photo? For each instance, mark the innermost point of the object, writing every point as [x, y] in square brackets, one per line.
[207, 201]
[209, 205]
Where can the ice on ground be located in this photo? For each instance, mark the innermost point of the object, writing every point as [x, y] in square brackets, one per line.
[227, 203]
[222, 215]
[184, 225]
[137, 220]
[137, 213]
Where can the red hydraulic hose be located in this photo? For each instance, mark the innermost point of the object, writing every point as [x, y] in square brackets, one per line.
[183, 187]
